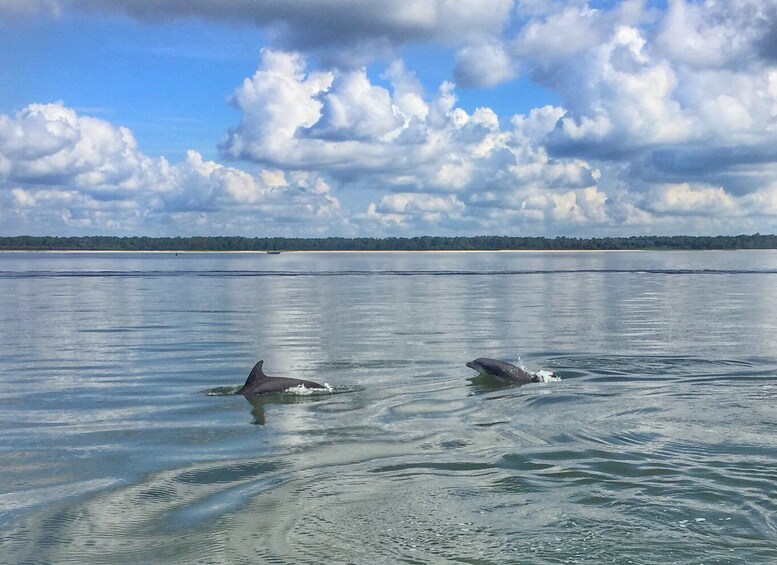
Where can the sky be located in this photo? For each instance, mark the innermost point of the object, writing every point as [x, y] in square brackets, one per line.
[354, 118]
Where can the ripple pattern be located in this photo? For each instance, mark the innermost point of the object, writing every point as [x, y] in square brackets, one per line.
[122, 441]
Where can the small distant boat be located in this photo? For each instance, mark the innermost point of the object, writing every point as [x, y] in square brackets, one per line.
[273, 252]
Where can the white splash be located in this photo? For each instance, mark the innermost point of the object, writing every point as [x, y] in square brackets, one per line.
[546, 376]
[302, 390]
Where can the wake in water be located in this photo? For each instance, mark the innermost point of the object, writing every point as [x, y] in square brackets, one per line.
[299, 394]
[290, 393]
[542, 376]
[490, 371]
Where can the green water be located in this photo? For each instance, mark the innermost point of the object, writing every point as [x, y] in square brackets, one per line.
[658, 445]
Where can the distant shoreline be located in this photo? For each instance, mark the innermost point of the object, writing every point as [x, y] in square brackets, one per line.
[275, 245]
[296, 252]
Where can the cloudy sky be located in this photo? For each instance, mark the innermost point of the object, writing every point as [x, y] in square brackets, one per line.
[374, 118]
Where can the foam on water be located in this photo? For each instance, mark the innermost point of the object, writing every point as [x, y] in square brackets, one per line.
[542, 375]
[546, 376]
[302, 390]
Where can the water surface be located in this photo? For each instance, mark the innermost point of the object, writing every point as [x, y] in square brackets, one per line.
[657, 446]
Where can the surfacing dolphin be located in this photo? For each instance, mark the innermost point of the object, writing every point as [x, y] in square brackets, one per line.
[502, 371]
[258, 383]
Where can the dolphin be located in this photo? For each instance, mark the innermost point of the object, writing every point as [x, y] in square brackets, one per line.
[258, 383]
[502, 371]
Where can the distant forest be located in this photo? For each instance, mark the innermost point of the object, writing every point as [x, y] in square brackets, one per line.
[426, 243]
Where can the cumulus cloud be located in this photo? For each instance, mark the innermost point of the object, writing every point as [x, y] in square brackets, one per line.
[763, 202]
[666, 116]
[691, 199]
[626, 101]
[563, 32]
[665, 102]
[63, 171]
[711, 35]
[312, 135]
[412, 209]
[423, 149]
[49, 144]
[484, 66]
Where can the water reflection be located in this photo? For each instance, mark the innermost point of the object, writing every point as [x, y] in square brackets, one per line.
[484, 383]
[657, 440]
[259, 403]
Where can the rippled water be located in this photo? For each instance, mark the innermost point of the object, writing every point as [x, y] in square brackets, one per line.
[118, 444]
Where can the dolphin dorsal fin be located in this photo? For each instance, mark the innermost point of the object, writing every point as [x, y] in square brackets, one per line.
[256, 373]
[254, 376]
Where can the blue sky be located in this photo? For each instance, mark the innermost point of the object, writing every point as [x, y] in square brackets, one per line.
[334, 117]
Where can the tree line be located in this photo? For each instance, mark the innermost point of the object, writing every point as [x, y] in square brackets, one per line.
[424, 243]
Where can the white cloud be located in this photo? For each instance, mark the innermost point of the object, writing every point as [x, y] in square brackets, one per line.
[763, 202]
[626, 100]
[561, 33]
[363, 135]
[684, 97]
[408, 93]
[278, 100]
[713, 34]
[667, 117]
[50, 144]
[691, 199]
[484, 65]
[415, 210]
[60, 174]
[61, 171]
[312, 134]
[355, 109]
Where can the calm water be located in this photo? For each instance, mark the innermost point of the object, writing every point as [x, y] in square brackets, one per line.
[659, 444]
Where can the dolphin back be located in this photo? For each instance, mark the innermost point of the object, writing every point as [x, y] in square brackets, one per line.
[502, 370]
[258, 383]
